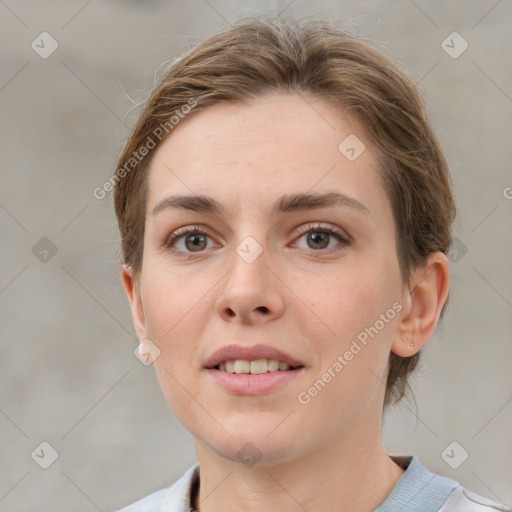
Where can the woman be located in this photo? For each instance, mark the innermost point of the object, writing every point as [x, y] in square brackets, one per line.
[285, 212]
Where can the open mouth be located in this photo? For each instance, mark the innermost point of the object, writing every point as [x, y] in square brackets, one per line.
[256, 367]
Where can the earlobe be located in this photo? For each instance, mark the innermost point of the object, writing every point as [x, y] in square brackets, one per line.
[134, 297]
[428, 291]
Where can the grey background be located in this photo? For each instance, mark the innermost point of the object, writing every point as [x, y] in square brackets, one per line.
[69, 376]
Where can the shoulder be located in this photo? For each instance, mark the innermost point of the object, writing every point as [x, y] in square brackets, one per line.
[462, 500]
[175, 498]
[429, 492]
[150, 503]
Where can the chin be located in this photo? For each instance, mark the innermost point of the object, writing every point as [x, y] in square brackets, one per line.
[250, 450]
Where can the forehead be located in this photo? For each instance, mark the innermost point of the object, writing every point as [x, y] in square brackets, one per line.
[249, 155]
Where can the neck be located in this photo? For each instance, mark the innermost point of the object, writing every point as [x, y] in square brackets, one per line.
[343, 476]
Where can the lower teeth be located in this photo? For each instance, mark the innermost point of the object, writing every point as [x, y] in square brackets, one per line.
[249, 373]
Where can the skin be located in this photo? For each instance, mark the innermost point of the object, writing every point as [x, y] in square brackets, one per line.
[310, 302]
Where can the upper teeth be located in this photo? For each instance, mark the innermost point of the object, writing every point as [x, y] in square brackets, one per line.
[253, 367]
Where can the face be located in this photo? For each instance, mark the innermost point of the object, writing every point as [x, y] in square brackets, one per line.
[319, 281]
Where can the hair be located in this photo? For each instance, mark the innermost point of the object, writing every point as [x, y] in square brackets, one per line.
[260, 55]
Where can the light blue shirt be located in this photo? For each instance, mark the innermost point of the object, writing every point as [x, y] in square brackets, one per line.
[419, 490]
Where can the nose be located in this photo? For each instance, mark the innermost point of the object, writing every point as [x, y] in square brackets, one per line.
[251, 293]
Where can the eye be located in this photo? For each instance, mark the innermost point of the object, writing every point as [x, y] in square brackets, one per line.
[319, 236]
[192, 239]
[187, 240]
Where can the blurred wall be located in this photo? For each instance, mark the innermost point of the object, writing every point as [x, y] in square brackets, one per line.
[69, 376]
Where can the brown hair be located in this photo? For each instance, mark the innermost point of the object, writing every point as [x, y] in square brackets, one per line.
[260, 55]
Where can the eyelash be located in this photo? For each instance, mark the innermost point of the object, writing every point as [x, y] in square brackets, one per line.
[306, 228]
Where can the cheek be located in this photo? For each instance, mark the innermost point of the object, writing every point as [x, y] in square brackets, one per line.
[348, 299]
[175, 310]
[175, 306]
[352, 342]
[353, 315]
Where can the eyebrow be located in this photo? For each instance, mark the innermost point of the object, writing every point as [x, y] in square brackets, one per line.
[285, 204]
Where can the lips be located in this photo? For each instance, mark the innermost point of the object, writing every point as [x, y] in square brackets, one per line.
[250, 353]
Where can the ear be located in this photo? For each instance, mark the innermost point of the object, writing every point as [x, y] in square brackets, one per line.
[422, 304]
[133, 292]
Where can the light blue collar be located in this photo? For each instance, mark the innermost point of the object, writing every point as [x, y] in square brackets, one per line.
[419, 489]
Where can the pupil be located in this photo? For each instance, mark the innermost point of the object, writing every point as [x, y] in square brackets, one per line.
[194, 241]
[317, 238]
